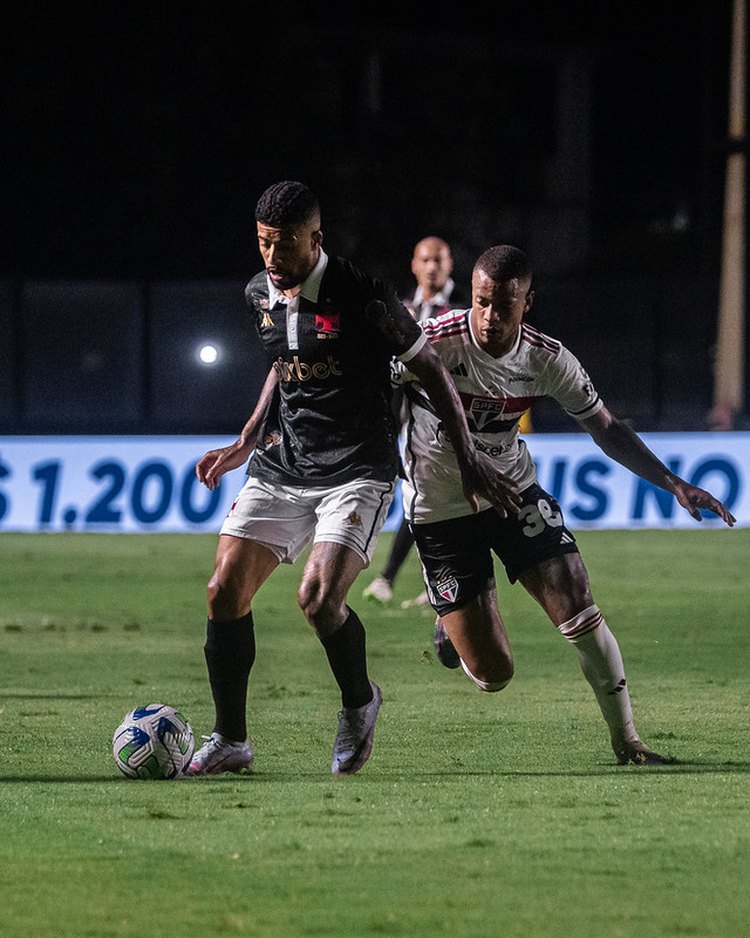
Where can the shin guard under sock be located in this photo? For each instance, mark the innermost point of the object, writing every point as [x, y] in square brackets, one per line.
[601, 663]
[345, 649]
[230, 653]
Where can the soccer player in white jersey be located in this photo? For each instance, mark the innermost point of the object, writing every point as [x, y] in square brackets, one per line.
[500, 365]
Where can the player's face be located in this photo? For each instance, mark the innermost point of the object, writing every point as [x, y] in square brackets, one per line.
[289, 254]
[431, 265]
[497, 308]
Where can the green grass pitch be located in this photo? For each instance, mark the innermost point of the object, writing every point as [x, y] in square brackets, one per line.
[477, 815]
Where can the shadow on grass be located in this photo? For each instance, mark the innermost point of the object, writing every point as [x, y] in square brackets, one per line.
[260, 777]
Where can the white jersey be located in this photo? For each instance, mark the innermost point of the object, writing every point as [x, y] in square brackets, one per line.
[495, 393]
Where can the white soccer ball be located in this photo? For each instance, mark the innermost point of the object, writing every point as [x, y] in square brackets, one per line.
[155, 741]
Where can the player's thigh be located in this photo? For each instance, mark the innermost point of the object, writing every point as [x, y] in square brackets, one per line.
[478, 634]
[241, 567]
[560, 585]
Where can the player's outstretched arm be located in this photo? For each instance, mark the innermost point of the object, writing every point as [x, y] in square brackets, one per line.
[211, 467]
[623, 444]
[479, 474]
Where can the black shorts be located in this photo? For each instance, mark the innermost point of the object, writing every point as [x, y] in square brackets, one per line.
[457, 554]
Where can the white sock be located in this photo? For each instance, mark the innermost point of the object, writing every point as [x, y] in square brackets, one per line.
[601, 663]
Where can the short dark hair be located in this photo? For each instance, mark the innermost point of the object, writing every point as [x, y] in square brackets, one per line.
[504, 262]
[287, 203]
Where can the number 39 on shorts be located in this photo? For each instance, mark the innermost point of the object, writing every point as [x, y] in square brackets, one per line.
[536, 516]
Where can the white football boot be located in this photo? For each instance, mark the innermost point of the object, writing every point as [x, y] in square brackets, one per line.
[218, 754]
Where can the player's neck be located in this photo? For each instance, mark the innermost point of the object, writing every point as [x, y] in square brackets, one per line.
[291, 292]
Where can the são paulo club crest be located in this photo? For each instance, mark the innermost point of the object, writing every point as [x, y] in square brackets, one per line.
[448, 589]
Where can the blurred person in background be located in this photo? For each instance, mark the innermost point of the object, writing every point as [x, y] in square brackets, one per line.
[500, 364]
[435, 293]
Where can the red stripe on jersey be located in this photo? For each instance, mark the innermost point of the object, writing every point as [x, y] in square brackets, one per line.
[454, 325]
[444, 334]
[538, 339]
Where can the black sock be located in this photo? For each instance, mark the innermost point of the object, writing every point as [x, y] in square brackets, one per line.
[402, 544]
[346, 656]
[230, 653]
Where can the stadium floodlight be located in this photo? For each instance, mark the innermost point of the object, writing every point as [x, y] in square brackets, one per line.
[208, 354]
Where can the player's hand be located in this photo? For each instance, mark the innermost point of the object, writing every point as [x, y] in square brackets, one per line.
[693, 499]
[481, 478]
[211, 467]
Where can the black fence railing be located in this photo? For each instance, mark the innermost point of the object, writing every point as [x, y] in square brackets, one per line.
[124, 357]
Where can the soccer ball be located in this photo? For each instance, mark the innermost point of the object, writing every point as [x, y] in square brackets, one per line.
[155, 741]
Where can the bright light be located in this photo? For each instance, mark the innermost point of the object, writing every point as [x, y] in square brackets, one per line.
[208, 354]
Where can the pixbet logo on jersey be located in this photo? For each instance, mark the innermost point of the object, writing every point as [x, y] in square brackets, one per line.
[297, 370]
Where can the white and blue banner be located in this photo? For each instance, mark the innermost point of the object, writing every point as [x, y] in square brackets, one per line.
[110, 483]
[138, 484]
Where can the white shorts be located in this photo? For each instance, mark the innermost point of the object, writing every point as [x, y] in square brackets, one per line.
[285, 518]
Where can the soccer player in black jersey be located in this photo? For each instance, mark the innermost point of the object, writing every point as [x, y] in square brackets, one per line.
[323, 463]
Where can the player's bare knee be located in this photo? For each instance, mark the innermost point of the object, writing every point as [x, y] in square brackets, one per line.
[223, 602]
[322, 613]
[214, 592]
[309, 601]
[491, 680]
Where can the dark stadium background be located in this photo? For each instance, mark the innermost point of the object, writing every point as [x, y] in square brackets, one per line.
[137, 138]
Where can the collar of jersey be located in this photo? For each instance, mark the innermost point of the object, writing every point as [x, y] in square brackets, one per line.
[440, 299]
[310, 287]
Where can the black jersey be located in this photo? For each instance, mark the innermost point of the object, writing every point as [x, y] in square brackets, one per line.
[331, 417]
